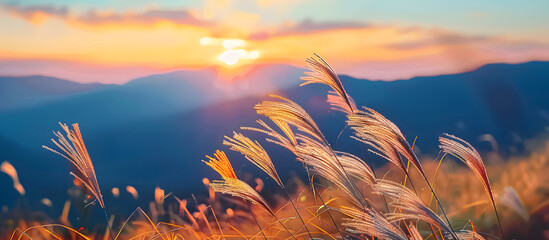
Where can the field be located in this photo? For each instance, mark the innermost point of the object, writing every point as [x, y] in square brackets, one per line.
[457, 195]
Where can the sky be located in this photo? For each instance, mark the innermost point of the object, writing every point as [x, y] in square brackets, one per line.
[116, 41]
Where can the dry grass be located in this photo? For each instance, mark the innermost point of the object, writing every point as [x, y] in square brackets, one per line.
[457, 187]
[74, 150]
[344, 197]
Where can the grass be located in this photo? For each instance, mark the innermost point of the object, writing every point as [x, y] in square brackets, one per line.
[344, 198]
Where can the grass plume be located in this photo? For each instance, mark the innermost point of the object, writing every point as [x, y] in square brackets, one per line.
[324, 163]
[321, 72]
[286, 112]
[411, 205]
[74, 150]
[221, 164]
[465, 152]
[254, 152]
[372, 223]
[240, 189]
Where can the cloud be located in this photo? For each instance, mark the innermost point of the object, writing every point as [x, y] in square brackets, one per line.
[143, 18]
[438, 37]
[307, 26]
[35, 14]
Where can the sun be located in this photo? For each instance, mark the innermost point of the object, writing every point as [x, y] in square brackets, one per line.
[234, 50]
[231, 57]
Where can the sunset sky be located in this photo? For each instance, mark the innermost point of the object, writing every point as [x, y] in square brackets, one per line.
[116, 41]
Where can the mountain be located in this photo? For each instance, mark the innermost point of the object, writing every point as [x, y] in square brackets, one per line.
[18, 92]
[154, 131]
[149, 97]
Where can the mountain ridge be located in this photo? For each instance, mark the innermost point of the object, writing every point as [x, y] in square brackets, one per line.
[250, 69]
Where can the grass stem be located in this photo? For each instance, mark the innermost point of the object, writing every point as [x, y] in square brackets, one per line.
[297, 211]
[256, 222]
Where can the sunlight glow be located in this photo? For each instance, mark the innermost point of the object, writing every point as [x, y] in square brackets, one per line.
[207, 41]
[233, 43]
[234, 51]
[230, 57]
[253, 54]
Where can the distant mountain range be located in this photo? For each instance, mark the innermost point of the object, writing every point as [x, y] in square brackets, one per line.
[154, 131]
[19, 92]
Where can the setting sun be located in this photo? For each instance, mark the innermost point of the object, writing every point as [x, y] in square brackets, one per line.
[234, 50]
[231, 57]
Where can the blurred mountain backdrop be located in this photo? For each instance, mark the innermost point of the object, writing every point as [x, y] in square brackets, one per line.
[153, 131]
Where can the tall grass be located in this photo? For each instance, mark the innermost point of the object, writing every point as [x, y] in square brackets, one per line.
[343, 199]
[75, 151]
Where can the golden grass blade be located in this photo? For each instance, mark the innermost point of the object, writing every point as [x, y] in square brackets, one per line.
[324, 163]
[255, 153]
[240, 189]
[466, 153]
[276, 137]
[7, 168]
[377, 131]
[382, 149]
[356, 167]
[321, 72]
[411, 205]
[74, 150]
[372, 223]
[285, 127]
[338, 104]
[463, 151]
[221, 164]
[414, 233]
[287, 112]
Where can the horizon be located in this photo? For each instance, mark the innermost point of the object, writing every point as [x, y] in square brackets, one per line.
[230, 77]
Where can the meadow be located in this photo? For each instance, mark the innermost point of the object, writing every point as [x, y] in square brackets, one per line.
[459, 194]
